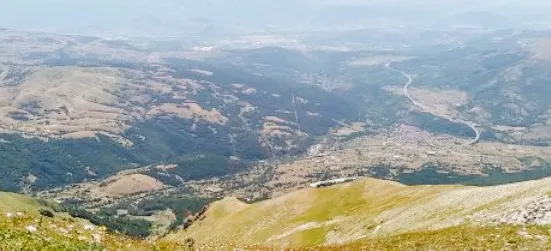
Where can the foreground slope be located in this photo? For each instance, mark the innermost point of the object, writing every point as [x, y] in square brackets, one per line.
[376, 212]
[17, 202]
[22, 228]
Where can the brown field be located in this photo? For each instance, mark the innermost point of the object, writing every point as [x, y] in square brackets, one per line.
[125, 183]
[130, 184]
[189, 111]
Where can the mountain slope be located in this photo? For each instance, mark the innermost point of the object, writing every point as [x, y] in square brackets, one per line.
[22, 228]
[78, 108]
[13, 202]
[366, 209]
[369, 213]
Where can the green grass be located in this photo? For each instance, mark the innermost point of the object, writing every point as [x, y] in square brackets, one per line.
[11, 202]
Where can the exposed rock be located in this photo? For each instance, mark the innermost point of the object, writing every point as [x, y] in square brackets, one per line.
[537, 212]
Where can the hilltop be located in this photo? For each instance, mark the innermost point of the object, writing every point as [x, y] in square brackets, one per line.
[383, 213]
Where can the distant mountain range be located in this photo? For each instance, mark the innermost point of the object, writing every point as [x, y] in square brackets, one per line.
[215, 17]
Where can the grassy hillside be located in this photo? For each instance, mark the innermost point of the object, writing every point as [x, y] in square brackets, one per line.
[22, 228]
[366, 214]
[16, 202]
[374, 212]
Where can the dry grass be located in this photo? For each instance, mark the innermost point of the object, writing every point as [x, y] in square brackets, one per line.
[133, 183]
[189, 111]
[125, 183]
[16, 202]
[275, 128]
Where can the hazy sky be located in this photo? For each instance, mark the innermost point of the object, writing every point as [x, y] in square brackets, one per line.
[176, 15]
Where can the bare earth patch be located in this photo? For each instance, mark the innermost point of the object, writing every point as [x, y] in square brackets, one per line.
[349, 129]
[133, 183]
[125, 183]
[189, 111]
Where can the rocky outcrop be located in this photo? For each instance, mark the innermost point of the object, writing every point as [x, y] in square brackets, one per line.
[536, 212]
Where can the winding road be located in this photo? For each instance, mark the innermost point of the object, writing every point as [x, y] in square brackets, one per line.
[470, 124]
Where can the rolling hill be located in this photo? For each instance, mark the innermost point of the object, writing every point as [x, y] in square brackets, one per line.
[67, 100]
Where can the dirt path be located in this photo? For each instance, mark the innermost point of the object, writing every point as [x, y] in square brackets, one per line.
[470, 124]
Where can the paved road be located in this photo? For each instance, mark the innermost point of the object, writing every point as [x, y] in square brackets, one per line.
[470, 124]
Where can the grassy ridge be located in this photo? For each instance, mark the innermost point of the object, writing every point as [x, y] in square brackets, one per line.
[305, 217]
[365, 212]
